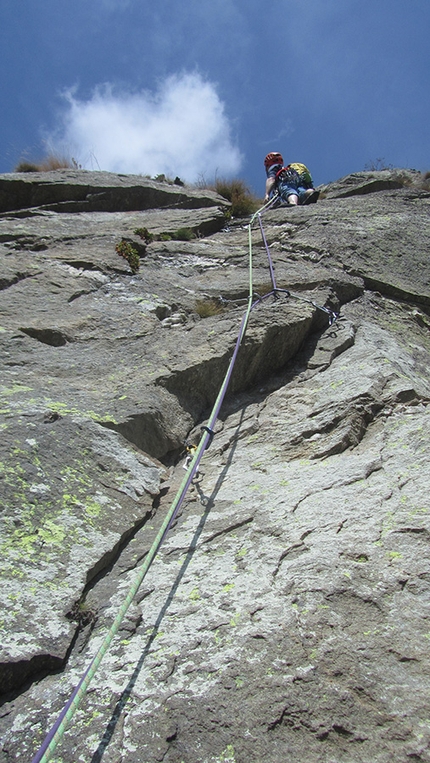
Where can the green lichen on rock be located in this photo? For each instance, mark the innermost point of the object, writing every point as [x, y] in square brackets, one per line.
[66, 503]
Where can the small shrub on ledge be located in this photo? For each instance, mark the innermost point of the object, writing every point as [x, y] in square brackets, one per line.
[182, 234]
[126, 250]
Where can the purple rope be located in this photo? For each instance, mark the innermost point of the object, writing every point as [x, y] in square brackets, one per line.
[52, 733]
[53, 730]
[214, 415]
[272, 272]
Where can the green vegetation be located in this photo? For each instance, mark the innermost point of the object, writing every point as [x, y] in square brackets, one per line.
[182, 234]
[362, 558]
[82, 612]
[126, 250]
[144, 234]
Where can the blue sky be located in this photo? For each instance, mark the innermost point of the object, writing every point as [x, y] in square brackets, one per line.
[196, 88]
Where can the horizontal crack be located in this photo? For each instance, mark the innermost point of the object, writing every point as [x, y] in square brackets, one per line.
[6, 283]
[229, 529]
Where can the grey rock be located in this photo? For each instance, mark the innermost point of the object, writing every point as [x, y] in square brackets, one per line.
[72, 495]
[372, 181]
[82, 191]
[286, 615]
[381, 238]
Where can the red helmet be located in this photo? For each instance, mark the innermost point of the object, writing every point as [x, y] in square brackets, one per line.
[273, 158]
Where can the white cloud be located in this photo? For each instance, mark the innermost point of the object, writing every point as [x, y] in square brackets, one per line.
[181, 129]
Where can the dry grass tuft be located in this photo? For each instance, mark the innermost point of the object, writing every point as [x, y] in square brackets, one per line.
[208, 307]
[243, 201]
[47, 164]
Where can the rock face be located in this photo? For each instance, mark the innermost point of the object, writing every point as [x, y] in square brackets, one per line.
[80, 191]
[287, 614]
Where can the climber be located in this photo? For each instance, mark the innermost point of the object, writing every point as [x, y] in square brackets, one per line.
[293, 183]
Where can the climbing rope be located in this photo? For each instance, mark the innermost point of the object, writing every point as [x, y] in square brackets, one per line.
[57, 731]
[332, 315]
